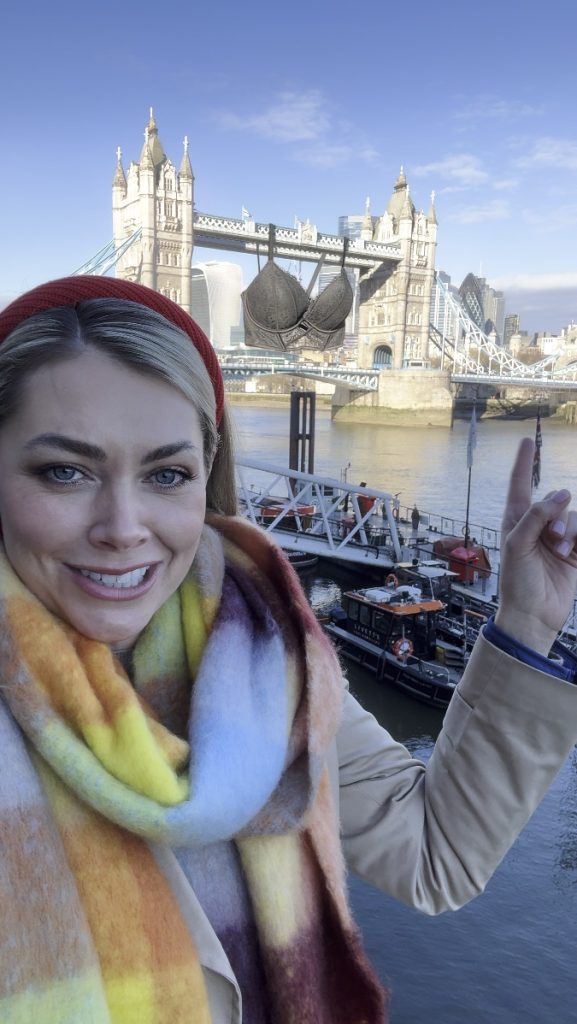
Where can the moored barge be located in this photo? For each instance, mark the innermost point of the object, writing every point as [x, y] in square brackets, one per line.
[393, 632]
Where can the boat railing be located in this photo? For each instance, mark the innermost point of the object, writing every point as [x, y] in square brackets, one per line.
[438, 671]
[447, 526]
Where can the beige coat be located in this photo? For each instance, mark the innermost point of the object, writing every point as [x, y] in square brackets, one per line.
[430, 836]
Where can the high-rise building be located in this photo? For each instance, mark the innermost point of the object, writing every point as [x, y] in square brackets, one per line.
[494, 309]
[440, 314]
[484, 305]
[349, 226]
[512, 326]
[215, 300]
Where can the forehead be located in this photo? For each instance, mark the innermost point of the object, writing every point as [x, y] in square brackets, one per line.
[99, 399]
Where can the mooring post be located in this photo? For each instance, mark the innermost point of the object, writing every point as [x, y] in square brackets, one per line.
[302, 431]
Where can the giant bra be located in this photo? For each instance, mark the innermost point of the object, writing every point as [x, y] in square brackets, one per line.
[279, 313]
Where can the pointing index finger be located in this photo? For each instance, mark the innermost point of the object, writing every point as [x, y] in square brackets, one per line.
[519, 494]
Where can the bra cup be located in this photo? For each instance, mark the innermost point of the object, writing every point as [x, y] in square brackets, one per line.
[331, 308]
[275, 299]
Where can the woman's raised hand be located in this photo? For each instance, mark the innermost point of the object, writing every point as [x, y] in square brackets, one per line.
[538, 559]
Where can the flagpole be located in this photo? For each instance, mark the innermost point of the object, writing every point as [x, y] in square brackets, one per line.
[467, 512]
[471, 445]
[536, 470]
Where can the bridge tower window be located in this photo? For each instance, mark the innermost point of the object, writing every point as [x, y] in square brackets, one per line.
[382, 358]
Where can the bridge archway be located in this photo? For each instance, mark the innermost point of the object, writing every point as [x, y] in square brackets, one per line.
[382, 358]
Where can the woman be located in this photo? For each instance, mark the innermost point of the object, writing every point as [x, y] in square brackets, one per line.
[176, 744]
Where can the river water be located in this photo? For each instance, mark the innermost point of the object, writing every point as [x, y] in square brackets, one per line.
[510, 957]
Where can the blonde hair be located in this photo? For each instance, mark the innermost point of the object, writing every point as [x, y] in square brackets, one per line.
[140, 339]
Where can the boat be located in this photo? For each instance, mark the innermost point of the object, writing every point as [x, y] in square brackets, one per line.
[465, 611]
[298, 518]
[301, 560]
[393, 630]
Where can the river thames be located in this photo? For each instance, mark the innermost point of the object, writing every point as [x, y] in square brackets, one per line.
[510, 956]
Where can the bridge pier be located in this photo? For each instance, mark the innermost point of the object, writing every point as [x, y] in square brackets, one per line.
[406, 398]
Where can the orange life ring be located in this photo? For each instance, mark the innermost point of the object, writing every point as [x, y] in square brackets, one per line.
[391, 580]
[403, 648]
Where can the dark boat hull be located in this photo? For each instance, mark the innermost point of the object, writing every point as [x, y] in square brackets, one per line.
[419, 679]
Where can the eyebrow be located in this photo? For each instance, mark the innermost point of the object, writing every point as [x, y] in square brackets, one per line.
[92, 451]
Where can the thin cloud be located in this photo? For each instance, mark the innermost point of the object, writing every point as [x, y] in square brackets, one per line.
[463, 168]
[497, 209]
[449, 190]
[556, 217]
[304, 117]
[550, 152]
[505, 184]
[326, 154]
[552, 282]
[495, 108]
[294, 117]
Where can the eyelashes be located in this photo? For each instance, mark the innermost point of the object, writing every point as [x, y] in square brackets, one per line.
[64, 475]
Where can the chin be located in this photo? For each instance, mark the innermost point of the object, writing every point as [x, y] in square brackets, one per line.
[111, 634]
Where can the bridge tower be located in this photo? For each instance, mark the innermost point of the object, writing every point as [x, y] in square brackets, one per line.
[394, 308]
[156, 198]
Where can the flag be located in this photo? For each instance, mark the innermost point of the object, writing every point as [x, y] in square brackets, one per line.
[536, 471]
[472, 440]
[245, 214]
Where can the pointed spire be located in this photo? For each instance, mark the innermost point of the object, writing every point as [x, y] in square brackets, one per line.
[156, 151]
[432, 214]
[119, 177]
[367, 228]
[368, 219]
[407, 209]
[401, 181]
[146, 161]
[185, 164]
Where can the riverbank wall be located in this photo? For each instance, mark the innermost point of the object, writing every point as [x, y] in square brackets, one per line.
[406, 398]
[416, 399]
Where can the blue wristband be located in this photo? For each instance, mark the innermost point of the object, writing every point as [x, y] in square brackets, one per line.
[562, 665]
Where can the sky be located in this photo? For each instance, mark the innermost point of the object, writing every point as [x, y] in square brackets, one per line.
[302, 110]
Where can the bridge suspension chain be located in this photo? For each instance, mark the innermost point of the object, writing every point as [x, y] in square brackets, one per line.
[107, 257]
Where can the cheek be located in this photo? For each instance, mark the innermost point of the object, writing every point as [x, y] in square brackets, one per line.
[183, 530]
[38, 525]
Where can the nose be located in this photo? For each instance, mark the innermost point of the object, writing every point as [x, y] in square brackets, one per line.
[118, 522]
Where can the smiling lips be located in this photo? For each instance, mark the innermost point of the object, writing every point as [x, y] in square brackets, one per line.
[132, 578]
[121, 586]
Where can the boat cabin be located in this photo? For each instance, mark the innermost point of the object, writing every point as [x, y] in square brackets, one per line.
[389, 616]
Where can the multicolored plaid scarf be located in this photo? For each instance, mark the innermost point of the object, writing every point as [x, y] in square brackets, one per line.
[90, 930]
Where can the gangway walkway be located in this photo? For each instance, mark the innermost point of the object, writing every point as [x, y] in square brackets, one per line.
[349, 522]
[320, 515]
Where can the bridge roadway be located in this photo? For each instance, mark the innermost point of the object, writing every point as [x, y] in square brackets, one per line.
[368, 380]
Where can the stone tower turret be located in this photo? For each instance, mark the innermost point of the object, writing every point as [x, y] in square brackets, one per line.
[394, 310]
[156, 198]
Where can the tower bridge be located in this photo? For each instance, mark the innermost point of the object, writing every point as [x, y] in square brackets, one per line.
[407, 368]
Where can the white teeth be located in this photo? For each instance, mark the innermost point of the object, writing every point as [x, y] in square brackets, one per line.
[122, 582]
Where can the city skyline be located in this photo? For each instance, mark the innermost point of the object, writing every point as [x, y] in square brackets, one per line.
[290, 123]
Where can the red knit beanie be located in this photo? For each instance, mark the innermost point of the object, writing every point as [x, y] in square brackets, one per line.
[67, 291]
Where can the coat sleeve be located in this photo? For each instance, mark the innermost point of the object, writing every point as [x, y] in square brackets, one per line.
[432, 836]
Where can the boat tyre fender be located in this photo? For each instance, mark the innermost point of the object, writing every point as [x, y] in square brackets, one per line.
[403, 648]
[391, 580]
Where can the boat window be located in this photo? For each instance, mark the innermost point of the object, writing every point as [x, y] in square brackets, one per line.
[353, 611]
[365, 615]
[379, 621]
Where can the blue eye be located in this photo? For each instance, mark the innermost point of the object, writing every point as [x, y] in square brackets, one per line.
[170, 478]
[63, 474]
